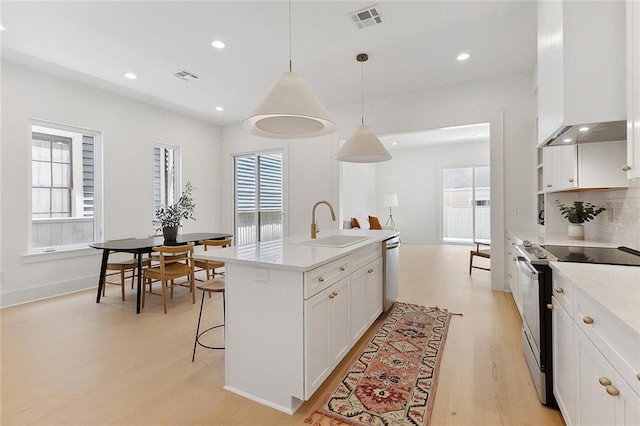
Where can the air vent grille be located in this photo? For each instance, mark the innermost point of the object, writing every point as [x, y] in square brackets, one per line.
[367, 17]
[185, 75]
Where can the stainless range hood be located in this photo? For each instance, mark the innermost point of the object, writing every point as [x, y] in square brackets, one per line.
[590, 132]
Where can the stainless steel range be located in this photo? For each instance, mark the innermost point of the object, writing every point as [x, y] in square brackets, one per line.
[536, 285]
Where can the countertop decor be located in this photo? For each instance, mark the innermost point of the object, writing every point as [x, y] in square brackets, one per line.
[578, 214]
[169, 219]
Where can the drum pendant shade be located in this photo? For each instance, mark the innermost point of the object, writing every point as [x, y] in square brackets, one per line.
[289, 110]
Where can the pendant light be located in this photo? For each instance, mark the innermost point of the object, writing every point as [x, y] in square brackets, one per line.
[289, 109]
[363, 146]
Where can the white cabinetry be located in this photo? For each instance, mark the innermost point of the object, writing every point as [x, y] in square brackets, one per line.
[366, 298]
[595, 360]
[326, 332]
[512, 271]
[563, 371]
[633, 89]
[581, 166]
[581, 64]
[347, 300]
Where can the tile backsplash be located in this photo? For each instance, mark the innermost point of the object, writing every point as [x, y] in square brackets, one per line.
[620, 223]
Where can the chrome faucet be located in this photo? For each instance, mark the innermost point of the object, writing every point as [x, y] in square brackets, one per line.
[314, 226]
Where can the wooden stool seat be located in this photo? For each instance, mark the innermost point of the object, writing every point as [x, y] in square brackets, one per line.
[209, 286]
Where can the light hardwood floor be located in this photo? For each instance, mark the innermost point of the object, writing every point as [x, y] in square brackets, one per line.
[70, 361]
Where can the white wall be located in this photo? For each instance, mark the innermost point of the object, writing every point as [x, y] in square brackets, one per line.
[313, 173]
[415, 175]
[130, 128]
[619, 224]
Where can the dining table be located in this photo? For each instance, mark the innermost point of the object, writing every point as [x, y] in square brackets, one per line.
[141, 246]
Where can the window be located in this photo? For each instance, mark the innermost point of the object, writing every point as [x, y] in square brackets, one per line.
[166, 175]
[466, 206]
[64, 184]
[259, 199]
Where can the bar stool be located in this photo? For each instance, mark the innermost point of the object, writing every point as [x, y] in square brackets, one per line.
[210, 286]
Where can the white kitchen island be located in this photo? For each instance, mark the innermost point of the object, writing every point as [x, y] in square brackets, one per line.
[293, 310]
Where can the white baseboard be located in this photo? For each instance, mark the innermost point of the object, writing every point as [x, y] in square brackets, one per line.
[45, 291]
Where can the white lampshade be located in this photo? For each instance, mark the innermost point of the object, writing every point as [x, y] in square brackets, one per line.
[363, 147]
[289, 110]
[391, 200]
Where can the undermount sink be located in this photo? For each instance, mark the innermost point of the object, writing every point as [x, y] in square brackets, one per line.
[337, 241]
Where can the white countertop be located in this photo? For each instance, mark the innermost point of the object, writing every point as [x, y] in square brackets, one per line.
[556, 239]
[617, 288]
[291, 254]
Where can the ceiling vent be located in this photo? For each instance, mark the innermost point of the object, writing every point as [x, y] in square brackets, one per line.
[185, 75]
[367, 17]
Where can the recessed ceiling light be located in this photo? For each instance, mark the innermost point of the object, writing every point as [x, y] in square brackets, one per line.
[394, 143]
[219, 108]
[463, 56]
[218, 44]
[131, 76]
[567, 140]
[584, 129]
[1, 28]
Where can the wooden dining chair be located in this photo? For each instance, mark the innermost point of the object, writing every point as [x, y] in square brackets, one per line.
[173, 262]
[208, 265]
[124, 268]
[484, 253]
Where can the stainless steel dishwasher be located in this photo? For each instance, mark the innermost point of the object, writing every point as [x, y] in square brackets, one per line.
[391, 257]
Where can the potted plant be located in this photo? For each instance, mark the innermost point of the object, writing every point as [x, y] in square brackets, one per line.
[578, 214]
[169, 219]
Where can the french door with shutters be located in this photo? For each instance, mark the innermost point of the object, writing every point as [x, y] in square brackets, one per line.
[258, 197]
[466, 204]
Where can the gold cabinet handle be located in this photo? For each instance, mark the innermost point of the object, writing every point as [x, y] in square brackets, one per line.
[550, 307]
[515, 258]
[638, 376]
[604, 381]
[321, 279]
[370, 271]
[587, 320]
[571, 179]
[559, 290]
[342, 268]
[332, 295]
[612, 390]
[626, 168]
[549, 185]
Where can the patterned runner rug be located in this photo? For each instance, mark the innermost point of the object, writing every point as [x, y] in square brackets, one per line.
[393, 381]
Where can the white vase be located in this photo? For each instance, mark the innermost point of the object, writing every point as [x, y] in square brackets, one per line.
[576, 231]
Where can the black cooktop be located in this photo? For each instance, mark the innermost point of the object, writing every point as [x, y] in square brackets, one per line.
[605, 255]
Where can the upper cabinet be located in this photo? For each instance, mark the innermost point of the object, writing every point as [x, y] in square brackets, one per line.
[633, 93]
[584, 166]
[581, 64]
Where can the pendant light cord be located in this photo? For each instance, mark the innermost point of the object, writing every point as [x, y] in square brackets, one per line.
[290, 66]
[362, 93]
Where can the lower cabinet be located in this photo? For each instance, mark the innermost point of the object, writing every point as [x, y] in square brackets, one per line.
[366, 298]
[563, 371]
[327, 333]
[588, 385]
[603, 397]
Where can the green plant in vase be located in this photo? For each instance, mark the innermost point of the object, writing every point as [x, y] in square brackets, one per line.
[577, 214]
[169, 219]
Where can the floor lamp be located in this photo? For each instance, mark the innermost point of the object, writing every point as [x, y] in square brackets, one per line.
[390, 200]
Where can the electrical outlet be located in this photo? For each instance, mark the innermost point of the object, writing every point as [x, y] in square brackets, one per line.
[262, 275]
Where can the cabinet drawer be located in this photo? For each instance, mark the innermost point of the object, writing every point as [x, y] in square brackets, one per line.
[324, 276]
[618, 342]
[563, 290]
[364, 256]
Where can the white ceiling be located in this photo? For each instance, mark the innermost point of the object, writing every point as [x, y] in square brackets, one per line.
[413, 49]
